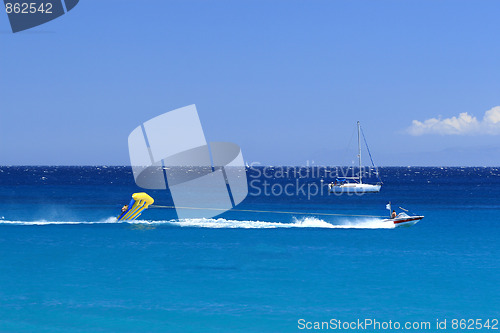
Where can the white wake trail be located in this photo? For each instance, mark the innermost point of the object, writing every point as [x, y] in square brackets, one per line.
[220, 223]
[305, 222]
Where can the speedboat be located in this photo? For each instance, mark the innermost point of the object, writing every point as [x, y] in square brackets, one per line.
[404, 220]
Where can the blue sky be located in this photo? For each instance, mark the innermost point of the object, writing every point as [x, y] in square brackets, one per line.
[286, 80]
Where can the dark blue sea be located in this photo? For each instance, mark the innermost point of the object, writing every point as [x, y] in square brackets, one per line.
[67, 266]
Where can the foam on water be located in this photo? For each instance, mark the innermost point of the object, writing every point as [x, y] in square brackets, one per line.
[305, 222]
[220, 223]
[249, 224]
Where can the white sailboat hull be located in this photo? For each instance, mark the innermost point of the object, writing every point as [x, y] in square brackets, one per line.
[355, 188]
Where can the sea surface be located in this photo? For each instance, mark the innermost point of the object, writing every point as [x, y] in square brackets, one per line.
[67, 266]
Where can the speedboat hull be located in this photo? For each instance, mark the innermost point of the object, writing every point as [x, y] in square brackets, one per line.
[405, 221]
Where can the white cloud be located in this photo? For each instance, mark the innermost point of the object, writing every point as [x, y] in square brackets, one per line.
[463, 124]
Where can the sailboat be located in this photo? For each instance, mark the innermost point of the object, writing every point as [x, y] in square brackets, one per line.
[355, 184]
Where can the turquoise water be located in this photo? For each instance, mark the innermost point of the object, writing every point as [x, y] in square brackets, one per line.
[66, 266]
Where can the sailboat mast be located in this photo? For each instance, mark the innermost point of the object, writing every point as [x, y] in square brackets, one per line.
[359, 154]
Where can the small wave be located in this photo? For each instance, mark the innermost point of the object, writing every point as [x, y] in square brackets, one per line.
[220, 223]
